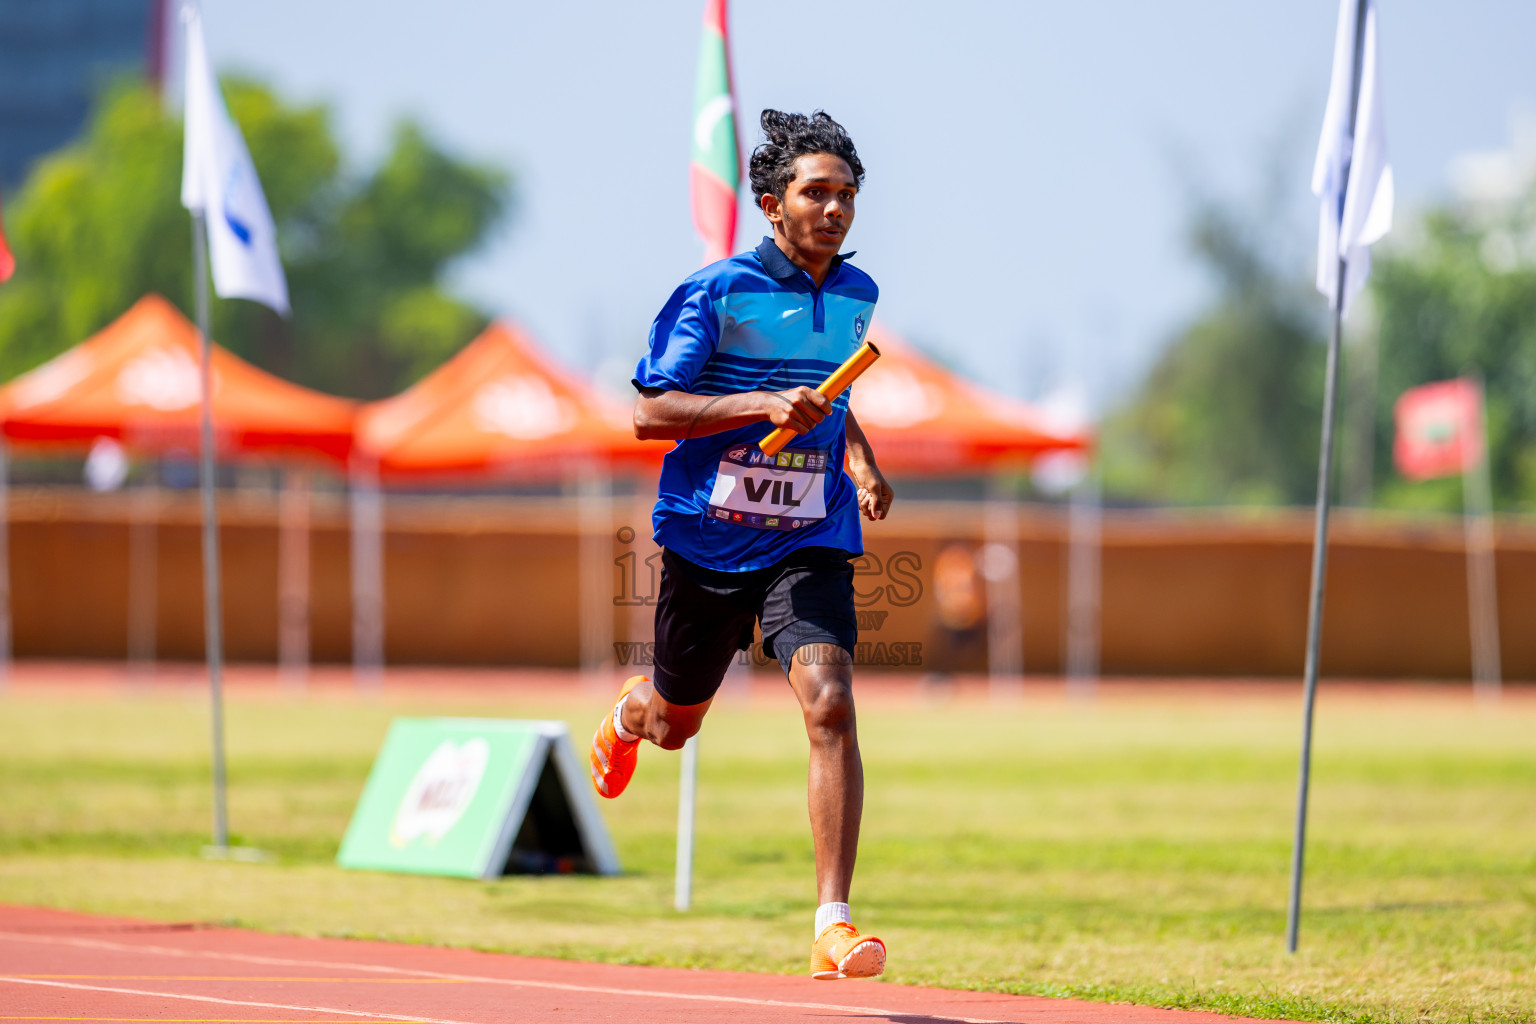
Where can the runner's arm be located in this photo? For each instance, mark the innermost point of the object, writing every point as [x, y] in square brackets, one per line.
[858, 445]
[662, 415]
[875, 494]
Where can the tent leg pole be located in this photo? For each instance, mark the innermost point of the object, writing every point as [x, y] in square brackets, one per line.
[1084, 541]
[143, 544]
[212, 598]
[1000, 568]
[367, 575]
[293, 579]
[594, 575]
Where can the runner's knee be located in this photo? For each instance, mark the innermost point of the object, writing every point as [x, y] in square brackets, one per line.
[671, 733]
[829, 704]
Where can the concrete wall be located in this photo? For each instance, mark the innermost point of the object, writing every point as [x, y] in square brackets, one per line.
[495, 581]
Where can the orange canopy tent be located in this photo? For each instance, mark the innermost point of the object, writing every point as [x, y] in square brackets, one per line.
[920, 418]
[137, 380]
[501, 407]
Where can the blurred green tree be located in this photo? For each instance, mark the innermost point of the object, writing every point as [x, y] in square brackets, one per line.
[1457, 296]
[100, 223]
[1229, 414]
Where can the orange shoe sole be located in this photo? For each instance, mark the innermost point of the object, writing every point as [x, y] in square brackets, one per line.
[840, 953]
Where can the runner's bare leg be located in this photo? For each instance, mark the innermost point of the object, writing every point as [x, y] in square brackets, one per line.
[822, 678]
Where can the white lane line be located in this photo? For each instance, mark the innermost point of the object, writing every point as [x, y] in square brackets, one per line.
[252, 958]
[225, 1002]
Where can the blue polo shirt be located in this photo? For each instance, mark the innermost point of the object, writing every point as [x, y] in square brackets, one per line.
[756, 322]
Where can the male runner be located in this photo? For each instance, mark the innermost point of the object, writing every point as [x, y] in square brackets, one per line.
[738, 350]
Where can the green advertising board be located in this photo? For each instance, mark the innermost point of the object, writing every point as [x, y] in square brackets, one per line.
[477, 798]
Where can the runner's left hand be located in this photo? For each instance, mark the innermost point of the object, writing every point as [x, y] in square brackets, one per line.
[875, 495]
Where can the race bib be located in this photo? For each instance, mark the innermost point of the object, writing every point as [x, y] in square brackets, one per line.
[770, 492]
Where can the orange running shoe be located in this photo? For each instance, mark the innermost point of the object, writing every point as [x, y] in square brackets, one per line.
[612, 759]
[841, 952]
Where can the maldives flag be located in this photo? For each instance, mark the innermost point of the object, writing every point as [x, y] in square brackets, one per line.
[7, 261]
[714, 172]
[1439, 429]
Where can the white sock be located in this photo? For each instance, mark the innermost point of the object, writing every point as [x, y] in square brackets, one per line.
[829, 913]
[618, 724]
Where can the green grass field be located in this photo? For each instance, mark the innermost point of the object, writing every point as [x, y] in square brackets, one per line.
[1134, 848]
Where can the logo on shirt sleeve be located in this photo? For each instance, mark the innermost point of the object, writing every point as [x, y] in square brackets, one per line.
[858, 327]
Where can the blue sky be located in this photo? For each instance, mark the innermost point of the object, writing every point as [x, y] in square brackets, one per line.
[1029, 163]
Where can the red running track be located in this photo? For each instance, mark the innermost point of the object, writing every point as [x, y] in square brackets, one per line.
[58, 966]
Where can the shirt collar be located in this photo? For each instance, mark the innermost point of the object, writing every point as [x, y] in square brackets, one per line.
[780, 268]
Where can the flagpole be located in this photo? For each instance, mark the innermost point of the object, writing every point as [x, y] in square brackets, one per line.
[1320, 533]
[212, 600]
[1482, 586]
[718, 227]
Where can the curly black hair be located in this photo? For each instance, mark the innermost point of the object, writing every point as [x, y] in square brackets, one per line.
[795, 135]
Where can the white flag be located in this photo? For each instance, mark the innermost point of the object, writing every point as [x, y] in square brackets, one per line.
[219, 180]
[1362, 214]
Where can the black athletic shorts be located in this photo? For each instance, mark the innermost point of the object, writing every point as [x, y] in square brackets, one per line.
[704, 616]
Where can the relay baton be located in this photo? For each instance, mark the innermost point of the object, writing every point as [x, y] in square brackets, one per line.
[833, 386]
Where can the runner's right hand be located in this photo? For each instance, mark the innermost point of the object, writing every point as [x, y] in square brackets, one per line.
[799, 409]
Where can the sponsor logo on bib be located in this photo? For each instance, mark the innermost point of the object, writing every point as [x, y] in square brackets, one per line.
[756, 491]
